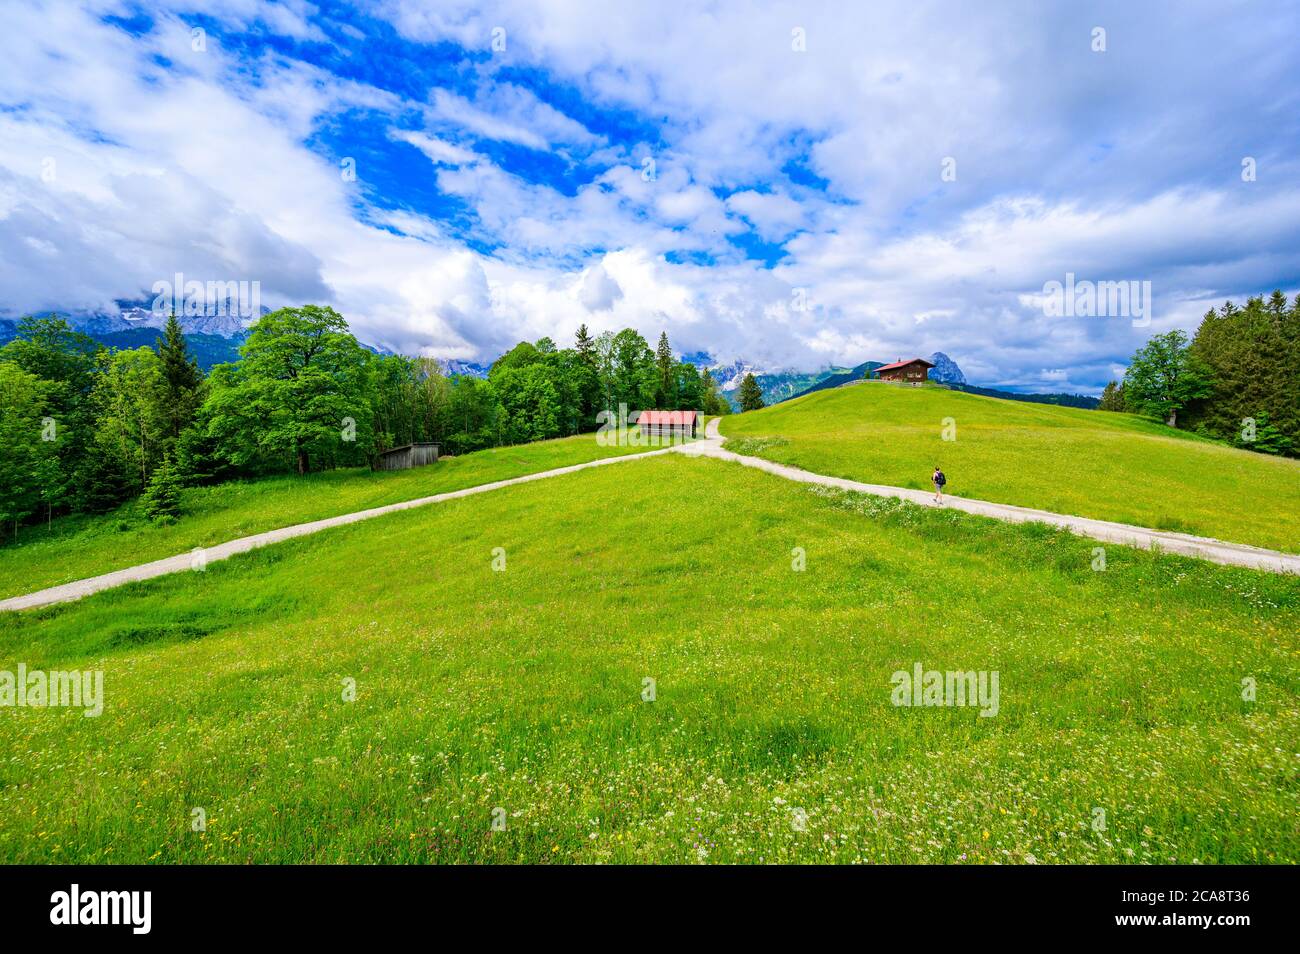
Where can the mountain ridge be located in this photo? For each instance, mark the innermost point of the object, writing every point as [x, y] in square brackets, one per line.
[216, 333]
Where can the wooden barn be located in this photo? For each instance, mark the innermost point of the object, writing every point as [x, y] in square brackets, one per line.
[407, 456]
[668, 424]
[915, 372]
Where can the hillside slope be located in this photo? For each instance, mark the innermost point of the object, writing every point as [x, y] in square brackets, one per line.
[83, 545]
[522, 687]
[1090, 463]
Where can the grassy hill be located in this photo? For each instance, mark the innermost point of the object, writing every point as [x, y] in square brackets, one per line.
[1091, 463]
[771, 735]
[76, 547]
[771, 617]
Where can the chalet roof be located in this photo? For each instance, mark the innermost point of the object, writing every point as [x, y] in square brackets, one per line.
[903, 364]
[660, 418]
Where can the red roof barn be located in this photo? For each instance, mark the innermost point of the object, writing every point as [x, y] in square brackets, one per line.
[916, 371]
[668, 423]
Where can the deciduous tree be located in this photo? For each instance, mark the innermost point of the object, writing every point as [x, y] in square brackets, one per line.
[1164, 376]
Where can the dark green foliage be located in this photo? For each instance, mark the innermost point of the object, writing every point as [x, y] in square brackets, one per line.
[1165, 376]
[1253, 354]
[1260, 435]
[303, 396]
[750, 395]
[633, 373]
[29, 465]
[207, 350]
[101, 484]
[1112, 398]
[665, 374]
[472, 413]
[686, 387]
[162, 498]
[588, 384]
[64, 361]
[298, 396]
[410, 399]
[183, 378]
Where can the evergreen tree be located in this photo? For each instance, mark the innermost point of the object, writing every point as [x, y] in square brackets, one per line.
[183, 378]
[1112, 397]
[587, 372]
[1266, 439]
[1253, 354]
[584, 344]
[162, 498]
[102, 482]
[1277, 303]
[750, 394]
[666, 385]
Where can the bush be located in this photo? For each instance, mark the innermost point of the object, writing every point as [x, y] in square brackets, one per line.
[162, 498]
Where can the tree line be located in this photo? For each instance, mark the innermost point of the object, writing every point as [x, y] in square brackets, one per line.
[84, 428]
[1237, 379]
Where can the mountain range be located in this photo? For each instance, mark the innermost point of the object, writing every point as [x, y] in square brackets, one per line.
[215, 334]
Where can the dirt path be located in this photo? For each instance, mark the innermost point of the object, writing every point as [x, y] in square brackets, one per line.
[1204, 548]
[202, 556]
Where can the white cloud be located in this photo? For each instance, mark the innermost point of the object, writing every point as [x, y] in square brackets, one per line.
[599, 291]
[774, 215]
[1123, 168]
[439, 152]
[509, 113]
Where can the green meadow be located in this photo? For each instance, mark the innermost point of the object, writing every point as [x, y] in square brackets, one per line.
[75, 547]
[1105, 465]
[673, 660]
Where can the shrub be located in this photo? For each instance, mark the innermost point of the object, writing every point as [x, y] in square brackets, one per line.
[162, 498]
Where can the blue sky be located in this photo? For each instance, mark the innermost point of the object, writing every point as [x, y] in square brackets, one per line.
[761, 180]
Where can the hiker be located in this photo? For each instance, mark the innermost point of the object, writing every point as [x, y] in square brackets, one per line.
[938, 479]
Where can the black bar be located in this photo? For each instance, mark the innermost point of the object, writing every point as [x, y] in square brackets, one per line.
[944, 904]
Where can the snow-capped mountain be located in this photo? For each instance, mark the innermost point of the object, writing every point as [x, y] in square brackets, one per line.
[224, 319]
[468, 368]
[728, 376]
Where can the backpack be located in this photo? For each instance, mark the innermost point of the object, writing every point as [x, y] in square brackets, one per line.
[940, 479]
